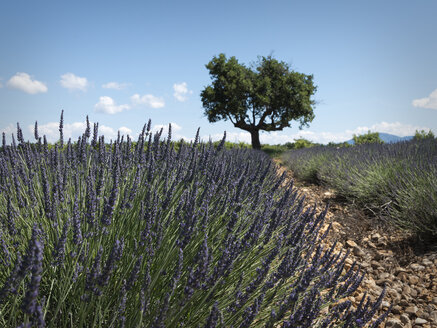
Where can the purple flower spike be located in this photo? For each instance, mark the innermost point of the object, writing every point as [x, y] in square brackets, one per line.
[30, 305]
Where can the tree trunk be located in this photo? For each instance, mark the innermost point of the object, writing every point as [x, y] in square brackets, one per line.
[255, 139]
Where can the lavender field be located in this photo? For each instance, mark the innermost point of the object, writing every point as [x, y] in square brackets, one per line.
[394, 181]
[141, 234]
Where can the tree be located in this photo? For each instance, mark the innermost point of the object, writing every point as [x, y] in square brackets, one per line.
[266, 96]
[370, 137]
[422, 135]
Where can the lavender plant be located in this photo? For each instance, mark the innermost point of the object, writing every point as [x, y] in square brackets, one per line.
[137, 234]
[395, 180]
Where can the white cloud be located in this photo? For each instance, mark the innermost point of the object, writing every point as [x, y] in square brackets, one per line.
[125, 131]
[24, 82]
[74, 130]
[181, 91]
[74, 82]
[115, 85]
[148, 100]
[396, 128]
[9, 129]
[174, 127]
[107, 105]
[428, 102]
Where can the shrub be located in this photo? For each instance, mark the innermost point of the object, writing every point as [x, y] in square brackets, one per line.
[422, 134]
[104, 235]
[369, 137]
[397, 180]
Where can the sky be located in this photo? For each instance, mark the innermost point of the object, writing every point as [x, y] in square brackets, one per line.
[125, 62]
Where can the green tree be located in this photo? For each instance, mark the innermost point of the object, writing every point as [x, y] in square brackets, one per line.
[369, 137]
[303, 143]
[266, 96]
[422, 134]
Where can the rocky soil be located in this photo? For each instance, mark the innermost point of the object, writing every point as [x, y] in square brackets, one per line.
[389, 257]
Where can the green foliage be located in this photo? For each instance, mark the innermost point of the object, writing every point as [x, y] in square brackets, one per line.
[368, 138]
[422, 134]
[266, 96]
[339, 144]
[274, 150]
[303, 143]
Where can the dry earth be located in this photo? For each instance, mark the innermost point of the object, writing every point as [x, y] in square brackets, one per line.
[388, 256]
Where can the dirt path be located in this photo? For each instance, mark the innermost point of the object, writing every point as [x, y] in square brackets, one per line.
[388, 256]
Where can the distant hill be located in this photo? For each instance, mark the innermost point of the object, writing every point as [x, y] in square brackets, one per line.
[387, 138]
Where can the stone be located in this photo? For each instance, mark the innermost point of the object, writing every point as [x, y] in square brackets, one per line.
[421, 314]
[433, 316]
[403, 276]
[427, 262]
[351, 243]
[371, 245]
[411, 309]
[434, 300]
[358, 252]
[404, 302]
[413, 293]
[376, 236]
[420, 321]
[413, 279]
[417, 267]
[393, 323]
[379, 255]
[397, 309]
[405, 319]
[384, 275]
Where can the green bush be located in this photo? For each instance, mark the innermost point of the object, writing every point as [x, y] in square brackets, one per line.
[369, 137]
[396, 180]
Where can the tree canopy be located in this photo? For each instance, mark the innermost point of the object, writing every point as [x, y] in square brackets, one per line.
[369, 137]
[422, 134]
[266, 96]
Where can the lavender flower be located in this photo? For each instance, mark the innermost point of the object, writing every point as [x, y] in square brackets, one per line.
[134, 273]
[20, 134]
[35, 131]
[29, 304]
[61, 127]
[59, 251]
[110, 265]
[213, 318]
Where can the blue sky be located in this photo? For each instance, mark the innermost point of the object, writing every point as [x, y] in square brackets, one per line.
[123, 62]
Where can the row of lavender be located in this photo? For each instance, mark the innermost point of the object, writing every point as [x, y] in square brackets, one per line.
[396, 180]
[136, 234]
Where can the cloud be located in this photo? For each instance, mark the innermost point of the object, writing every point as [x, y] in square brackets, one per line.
[396, 128]
[148, 100]
[74, 130]
[175, 134]
[181, 91]
[24, 82]
[125, 131]
[323, 137]
[115, 85]
[9, 129]
[107, 105]
[428, 102]
[73, 82]
[174, 128]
